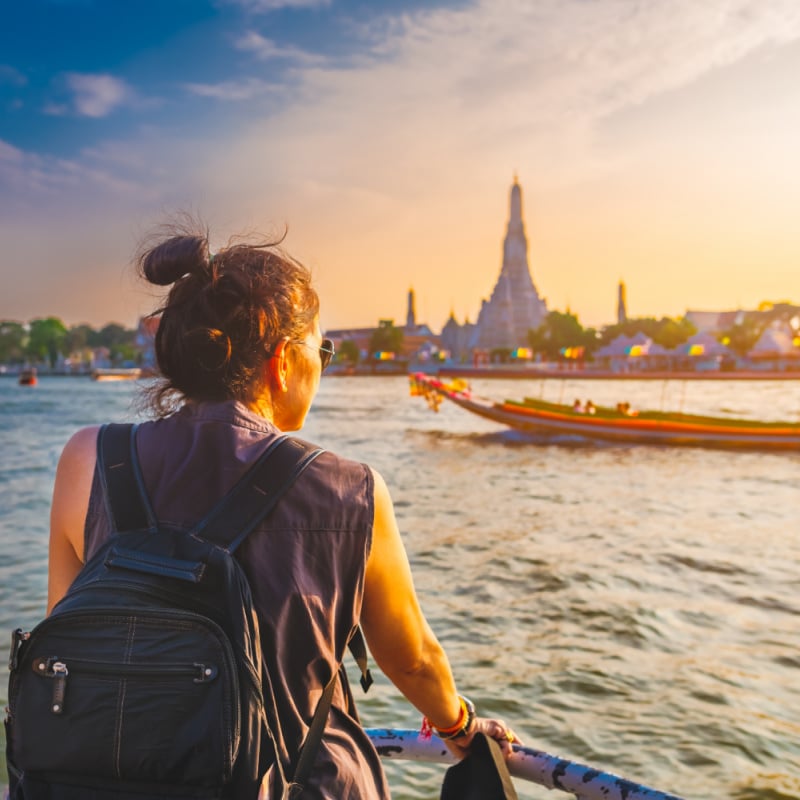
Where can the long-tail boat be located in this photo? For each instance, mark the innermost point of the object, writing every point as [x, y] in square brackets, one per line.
[612, 424]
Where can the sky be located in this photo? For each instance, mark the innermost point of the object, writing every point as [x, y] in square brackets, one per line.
[655, 141]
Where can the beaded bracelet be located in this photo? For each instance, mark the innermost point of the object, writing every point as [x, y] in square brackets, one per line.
[461, 726]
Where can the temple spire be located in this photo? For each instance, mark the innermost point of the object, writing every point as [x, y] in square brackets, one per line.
[515, 306]
[515, 216]
[622, 304]
[411, 315]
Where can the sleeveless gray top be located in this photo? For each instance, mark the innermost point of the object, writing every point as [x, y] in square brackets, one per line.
[305, 565]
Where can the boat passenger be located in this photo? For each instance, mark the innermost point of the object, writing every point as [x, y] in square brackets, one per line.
[590, 407]
[577, 406]
[240, 355]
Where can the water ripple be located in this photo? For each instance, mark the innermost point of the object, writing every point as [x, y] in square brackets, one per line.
[633, 608]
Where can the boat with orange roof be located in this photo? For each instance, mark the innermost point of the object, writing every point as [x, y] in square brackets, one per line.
[28, 377]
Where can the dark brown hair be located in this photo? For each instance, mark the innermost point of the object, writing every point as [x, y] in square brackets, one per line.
[223, 315]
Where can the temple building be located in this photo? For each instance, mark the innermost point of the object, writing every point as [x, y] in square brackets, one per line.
[622, 304]
[455, 337]
[411, 314]
[515, 306]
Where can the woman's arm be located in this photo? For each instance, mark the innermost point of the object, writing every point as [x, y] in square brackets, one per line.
[71, 491]
[399, 637]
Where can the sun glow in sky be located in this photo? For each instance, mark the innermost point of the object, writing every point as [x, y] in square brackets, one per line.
[655, 143]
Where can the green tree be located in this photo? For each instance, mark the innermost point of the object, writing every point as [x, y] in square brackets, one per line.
[78, 343]
[46, 339]
[667, 332]
[348, 351]
[115, 334]
[741, 337]
[124, 354]
[119, 341]
[12, 342]
[673, 332]
[78, 338]
[559, 331]
[386, 338]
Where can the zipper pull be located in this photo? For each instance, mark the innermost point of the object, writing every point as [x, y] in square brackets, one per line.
[18, 638]
[59, 674]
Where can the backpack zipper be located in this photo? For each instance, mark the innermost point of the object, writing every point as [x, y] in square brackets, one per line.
[56, 669]
[18, 638]
[164, 595]
[65, 617]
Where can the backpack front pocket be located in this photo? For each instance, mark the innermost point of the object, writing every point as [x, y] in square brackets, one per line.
[157, 701]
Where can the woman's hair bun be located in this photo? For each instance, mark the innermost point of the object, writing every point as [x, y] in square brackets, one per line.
[174, 258]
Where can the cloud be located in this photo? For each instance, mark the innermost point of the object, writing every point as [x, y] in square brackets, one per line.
[55, 109]
[498, 85]
[396, 162]
[416, 138]
[113, 169]
[265, 6]
[529, 81]
[263, 49]
[10, 76]
[9, 154]
[243, 89]
[96, 95]
[20, 172]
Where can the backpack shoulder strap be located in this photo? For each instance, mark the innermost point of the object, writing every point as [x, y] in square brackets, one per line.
[234, 517]
[227, 525]
[305, 762]
[257, 493]
[308, 752]
[123, 487]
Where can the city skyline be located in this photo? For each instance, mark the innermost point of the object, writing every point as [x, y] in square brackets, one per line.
[654, 144]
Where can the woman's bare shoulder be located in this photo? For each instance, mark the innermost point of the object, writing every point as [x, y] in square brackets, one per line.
[81, 447]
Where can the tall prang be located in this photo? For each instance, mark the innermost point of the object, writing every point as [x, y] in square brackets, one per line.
[622, 304]
[411, 315]
[515, 306]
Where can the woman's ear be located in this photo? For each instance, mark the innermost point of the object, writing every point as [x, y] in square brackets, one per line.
[279, 365]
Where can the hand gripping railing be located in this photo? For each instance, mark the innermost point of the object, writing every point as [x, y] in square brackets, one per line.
[585, 783]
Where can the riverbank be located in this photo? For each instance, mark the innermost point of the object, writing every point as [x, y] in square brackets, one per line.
[126, 373]
[505, 372]
[529, 373]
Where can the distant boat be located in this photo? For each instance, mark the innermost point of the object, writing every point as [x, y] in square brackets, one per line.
[613, 425]
[130, 374]
[27, 377]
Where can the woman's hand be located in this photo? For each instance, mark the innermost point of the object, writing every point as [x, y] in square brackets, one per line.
[494, 728]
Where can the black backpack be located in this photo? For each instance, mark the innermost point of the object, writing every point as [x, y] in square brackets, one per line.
[146, 681]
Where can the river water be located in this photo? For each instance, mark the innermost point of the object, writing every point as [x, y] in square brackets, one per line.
[636, 608]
